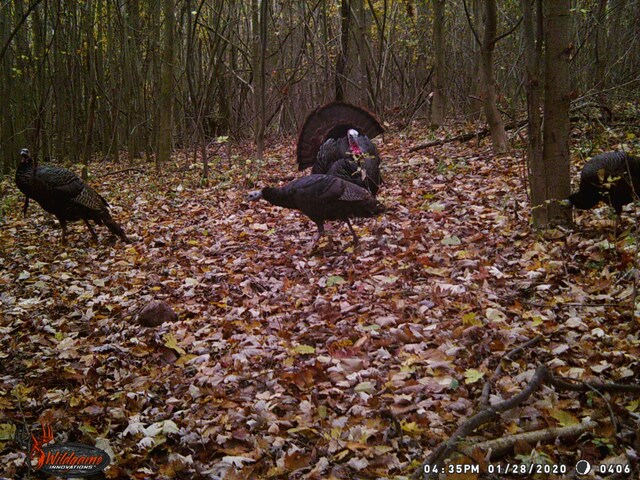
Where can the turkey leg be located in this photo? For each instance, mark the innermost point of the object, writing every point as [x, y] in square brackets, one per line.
[93, 233]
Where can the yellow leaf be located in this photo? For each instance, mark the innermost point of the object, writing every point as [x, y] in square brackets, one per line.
[564, 418]
[367, 387]
[537, 321]
[184, 359]
[472, 376]
[303, 349]
[342, 454]
[171, 342]
[411, 427]
[469, 319]
[7, 431]
[21, 391]
[634, 406]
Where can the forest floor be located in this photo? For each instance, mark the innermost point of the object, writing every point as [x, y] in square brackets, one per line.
[290, 364]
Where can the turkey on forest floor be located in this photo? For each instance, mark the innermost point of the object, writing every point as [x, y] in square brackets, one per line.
[322, 198]
[611, 177]
[335, 140]
[61, 192]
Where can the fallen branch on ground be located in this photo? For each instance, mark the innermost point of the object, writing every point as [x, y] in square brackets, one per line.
[502, 446]
[541, 377]
[486, 389]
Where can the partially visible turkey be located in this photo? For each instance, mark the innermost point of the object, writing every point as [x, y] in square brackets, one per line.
[335, 140]
[61, 192]
[323, 198]
[611, 177]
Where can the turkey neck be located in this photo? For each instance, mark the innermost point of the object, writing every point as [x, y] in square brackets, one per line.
[278, 196]
[25, 169]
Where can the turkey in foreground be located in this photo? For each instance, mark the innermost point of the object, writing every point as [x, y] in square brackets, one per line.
[61, 192]
[613, 177]
[322, 198]
[335, 140]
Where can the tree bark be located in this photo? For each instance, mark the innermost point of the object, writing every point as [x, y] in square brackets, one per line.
[556, 116]
[532, 36]
[8, 147]
[166, 87]
[496, 125]
[600, 48]
[259, 25]
[341, 61]
[359, 61]
[439, 103]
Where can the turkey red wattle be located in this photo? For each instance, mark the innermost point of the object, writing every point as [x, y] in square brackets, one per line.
[354, 147]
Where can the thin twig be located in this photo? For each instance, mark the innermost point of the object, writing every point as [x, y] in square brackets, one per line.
[486, 389]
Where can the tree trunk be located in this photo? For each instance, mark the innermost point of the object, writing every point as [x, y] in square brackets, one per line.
[259, 26]
[8, 147]
[475, 103]
[438, 109]
[341, 61]
[496, 125]
[359, 61]
[166, 87]
[556, 117]
[600, 48]
[89, 85]
[532, 35]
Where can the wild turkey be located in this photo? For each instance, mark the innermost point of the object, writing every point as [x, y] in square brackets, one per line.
[335, 140]
[322, 198]
[613, 177]
[60, 192]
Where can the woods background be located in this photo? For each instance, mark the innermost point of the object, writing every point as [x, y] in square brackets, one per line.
[112, 76]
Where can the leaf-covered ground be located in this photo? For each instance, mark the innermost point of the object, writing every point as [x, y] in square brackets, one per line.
[290, 364]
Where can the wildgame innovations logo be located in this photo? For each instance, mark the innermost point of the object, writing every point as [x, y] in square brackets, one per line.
[65, 459]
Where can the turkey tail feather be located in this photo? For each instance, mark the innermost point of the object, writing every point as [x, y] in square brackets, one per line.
[332, 120]
[116, 229]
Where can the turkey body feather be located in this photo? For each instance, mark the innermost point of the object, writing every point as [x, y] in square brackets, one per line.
[611, 177]
[323, 198]
[61, 192]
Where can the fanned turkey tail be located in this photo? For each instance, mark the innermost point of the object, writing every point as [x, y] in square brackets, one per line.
[332, 120]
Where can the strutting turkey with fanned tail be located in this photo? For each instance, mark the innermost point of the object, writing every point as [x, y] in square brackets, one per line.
[323, 198]
[335, 140]
[611, 177]
[61, 192]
